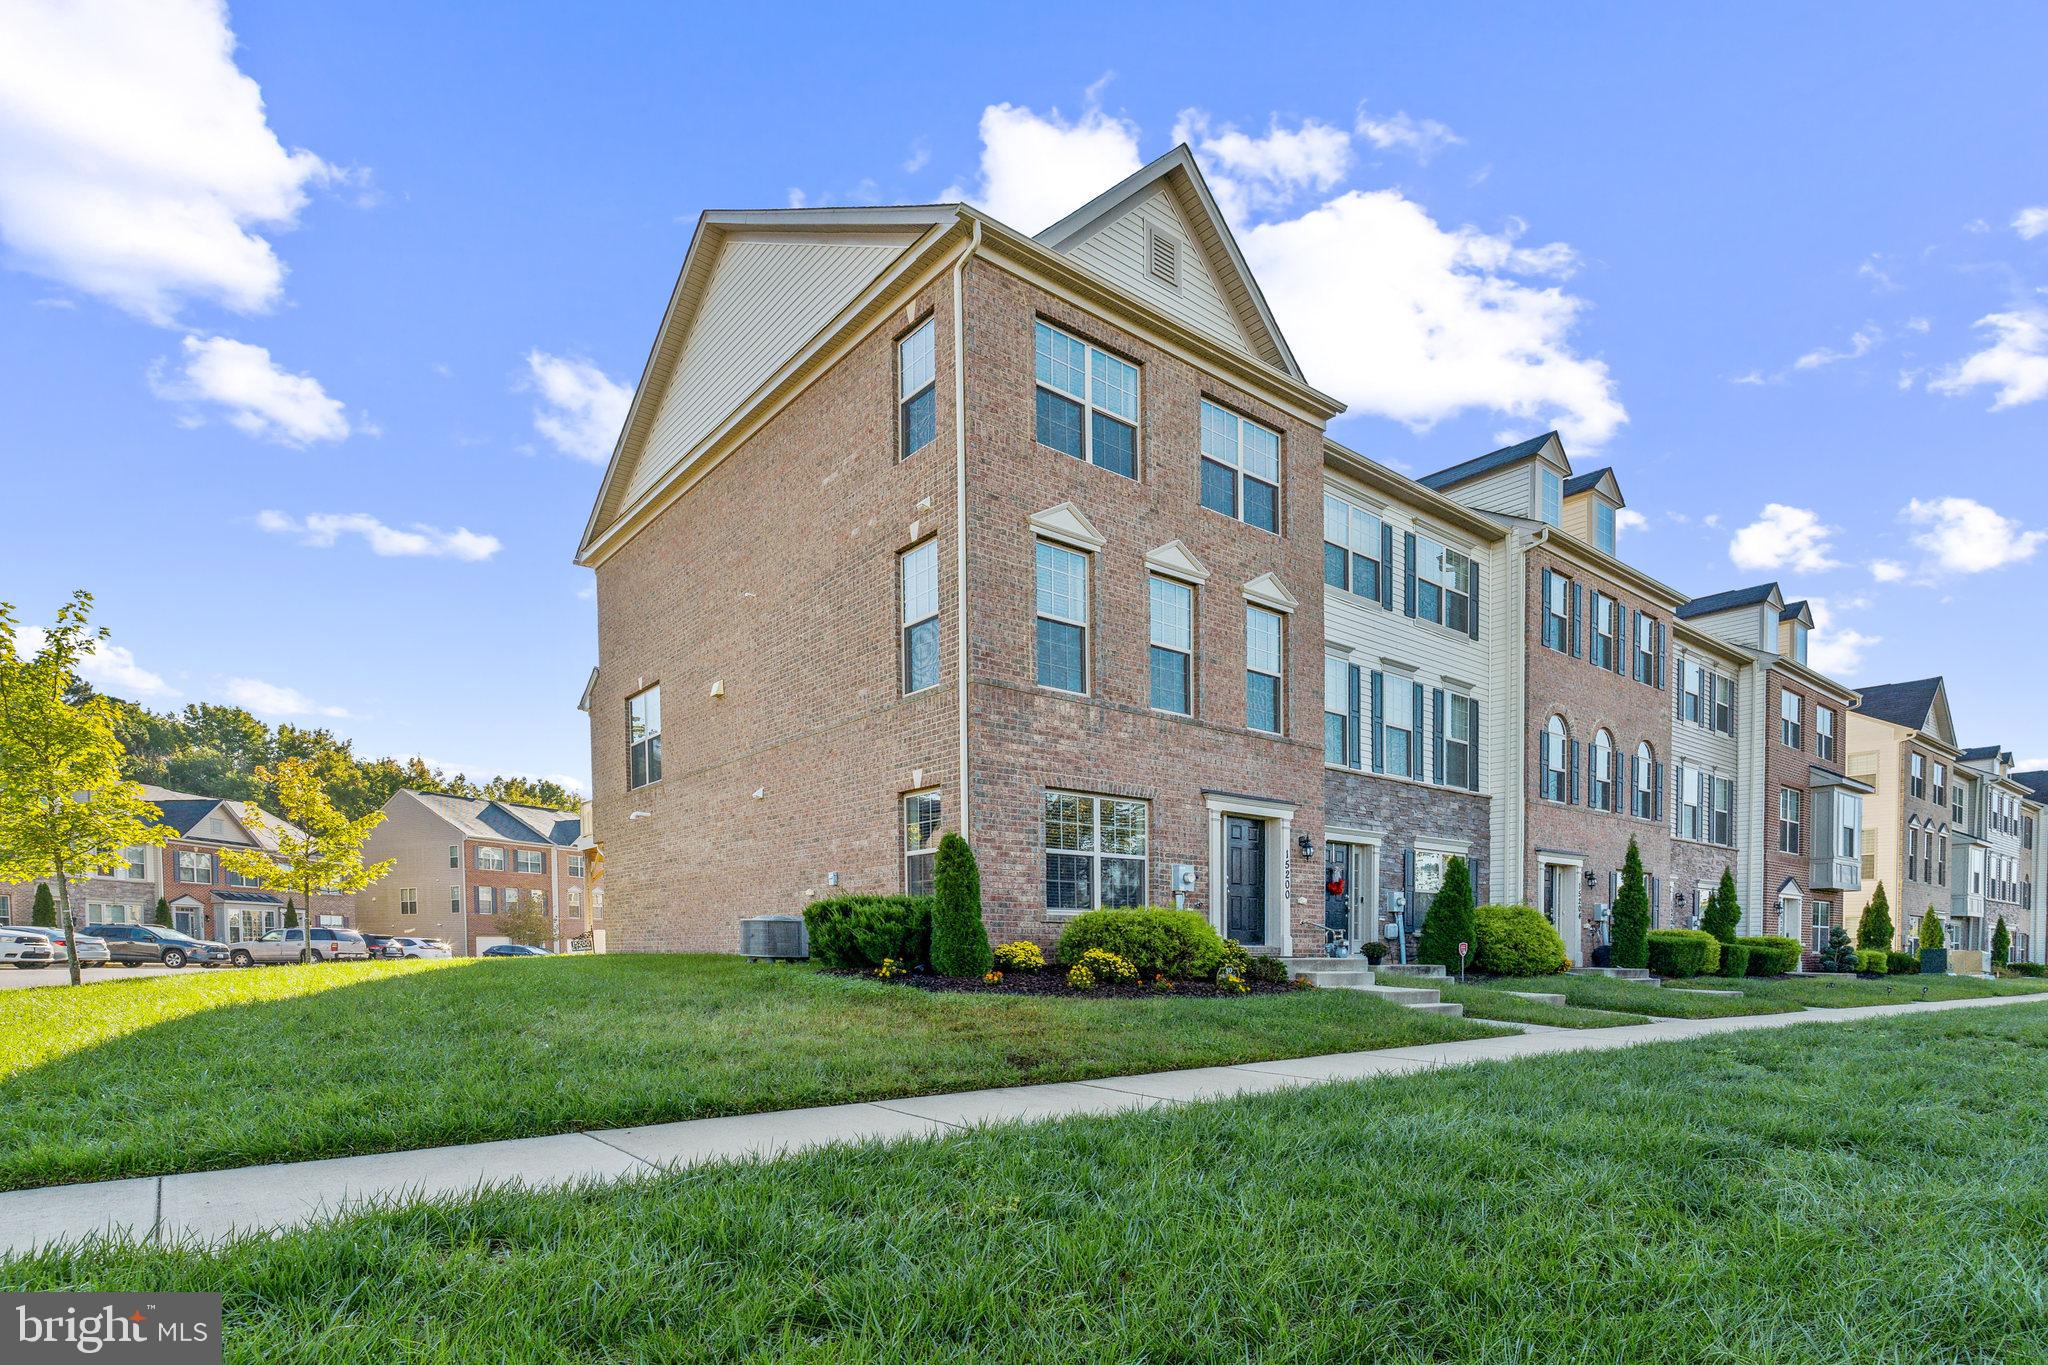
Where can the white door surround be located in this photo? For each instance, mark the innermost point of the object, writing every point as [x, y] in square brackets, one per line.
[1279, 825]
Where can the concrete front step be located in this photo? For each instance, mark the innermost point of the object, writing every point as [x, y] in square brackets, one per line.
[1701, 990]
[1432, 970]
[1618, 973]
[1540, 997]
[1355, 974]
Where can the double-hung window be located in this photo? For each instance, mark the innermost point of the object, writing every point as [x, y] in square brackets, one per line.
[643, 737]
[1556, 757]
[1603, 526]
[408, 900]
[195, 868]
[490, 859]
[454, 900]
[1789, 718]
[1691, 803]
[1553, 496]
[1087, 402]
[1557, 613]
[486, 900]
[529, 860]
[1692, 696]
[1351, 548]
[1240, 468]
[1461, 737]
[1400, 742]
[917, 390]
[1443, 585]
[1604, 648]
[1062, 641]
[920, 841]
[1941, 784]
[1262, 669]
[918, 572]
[575, 868]
[1336, 711]
[1173, 645]
[1095, 851]
[1824, 734]
[1788, 820]
[1724, 811]
[1601, 789]
[1916, 777]
[1724, 705]
[1646, 649]
[1643, 799]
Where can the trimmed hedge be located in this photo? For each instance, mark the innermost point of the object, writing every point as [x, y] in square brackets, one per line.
[2025, 968]
[1772, 954]
[1901, 964]
[1515, 940]
[1684, 952]
[855, 933]
[1157, 941]
[1872, 961]
[1734, 959]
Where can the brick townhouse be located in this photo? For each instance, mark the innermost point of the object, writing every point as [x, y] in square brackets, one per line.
[205, 899]
[459, 863]
[1902, 744]
[2034, 841]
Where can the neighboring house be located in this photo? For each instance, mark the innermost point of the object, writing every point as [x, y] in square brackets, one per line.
[1588, 704]
[1412, 728]
[2034, 889]
[1902, 744]
[206, 900]
[1994, 855]
[460, 862]
[861, 429]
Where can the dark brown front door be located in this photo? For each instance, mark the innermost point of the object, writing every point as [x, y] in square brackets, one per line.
[1245, 878]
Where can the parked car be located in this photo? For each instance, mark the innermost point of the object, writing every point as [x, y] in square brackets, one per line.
[288, 945]
[92, 952]
[382, 945]
[26, 951]
[134, 944]
[515, 950]
[409, 946]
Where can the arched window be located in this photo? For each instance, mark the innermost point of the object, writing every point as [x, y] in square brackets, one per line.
[1603, 795]
[1913, 849]
[1556, 755]
[1941, 857]
[1644, 773]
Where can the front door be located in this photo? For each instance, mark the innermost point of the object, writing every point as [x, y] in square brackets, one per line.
[1559, 907]
[1244, 891]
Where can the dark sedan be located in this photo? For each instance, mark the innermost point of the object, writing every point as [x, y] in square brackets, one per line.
[515, 950]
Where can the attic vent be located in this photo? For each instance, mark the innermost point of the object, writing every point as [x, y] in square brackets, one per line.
[1162, 257]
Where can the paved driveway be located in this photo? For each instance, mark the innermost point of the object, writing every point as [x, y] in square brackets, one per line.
[14, 979]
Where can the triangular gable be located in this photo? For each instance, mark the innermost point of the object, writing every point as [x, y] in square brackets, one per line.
[1067, 524]
[1939, 722]
[1167, 205]
[757, 289]
[1268, 590]
[1176, 560]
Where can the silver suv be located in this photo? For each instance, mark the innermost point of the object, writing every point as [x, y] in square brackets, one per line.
[286, 945]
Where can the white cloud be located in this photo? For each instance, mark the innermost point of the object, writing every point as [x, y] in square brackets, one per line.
[106, 665]
[1783, 537]
[1887, 570]
[322, 529]
[1423, 137]
[2016, 363]
[1860, 345]
[136, 163]
[260, 399]
[2030, 223]
[582, 409]
[1628, 519]
[920, 157]
[1402, 318]
[1258, 174]
[269, 699]
[1965, 536]
[1833, 649]
[1036, 170]
[1880, 278]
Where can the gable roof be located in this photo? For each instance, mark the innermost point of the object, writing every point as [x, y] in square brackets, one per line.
[2035, 782]
[1797, 611]
[1492, 460]
[478, 818]
[181, 815]
[1980, 753]
[1601, 479]
[1182, 177]
[1905, 703]
[1728, 600]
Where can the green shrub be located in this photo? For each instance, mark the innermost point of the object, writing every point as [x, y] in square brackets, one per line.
[1874, 930]
[1155, 940]
[1872, 961]
[1723, 915]
[1628, 943]
[1374, 952]
[859, 933]
[2001, 945]
[1931, 933]
[1901, 964]
[1266, 971]
[1734, 959]
[1514, 940]
[1107, 967]
[162, 914]
[2026, 969]
[44, 915]
[1772, 954]
[1683, 952]
[1020, 956]
[959, 939]
[1449, 921]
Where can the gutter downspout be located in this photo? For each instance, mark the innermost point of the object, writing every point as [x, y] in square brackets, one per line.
[960, 511]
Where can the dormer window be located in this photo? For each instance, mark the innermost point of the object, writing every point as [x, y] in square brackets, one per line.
[1798, 643]
[1603, 526]
[1553, 496]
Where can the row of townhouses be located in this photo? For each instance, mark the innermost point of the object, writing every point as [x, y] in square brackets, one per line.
[206, 900]
[918, 523]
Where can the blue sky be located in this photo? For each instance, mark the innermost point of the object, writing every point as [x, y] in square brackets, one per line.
[316, 343]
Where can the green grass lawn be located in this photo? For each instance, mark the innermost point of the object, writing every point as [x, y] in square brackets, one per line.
[1492, 1002]
[1846, 992]
[231, 1068]
[1638, 997]
[1840, 1192]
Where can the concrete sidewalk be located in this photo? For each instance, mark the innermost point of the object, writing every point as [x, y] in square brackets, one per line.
[206, 1206]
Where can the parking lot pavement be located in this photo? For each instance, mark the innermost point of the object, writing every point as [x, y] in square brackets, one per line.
[14, 979]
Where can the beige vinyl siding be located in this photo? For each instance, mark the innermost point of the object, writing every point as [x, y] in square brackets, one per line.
[1577, 517]
[1751, 627]
[767, 297]
[1695, 745]
[1116, 251]
[1511, 491]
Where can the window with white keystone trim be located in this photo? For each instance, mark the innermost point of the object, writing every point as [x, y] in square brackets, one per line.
[921, 812]
[1264, 662]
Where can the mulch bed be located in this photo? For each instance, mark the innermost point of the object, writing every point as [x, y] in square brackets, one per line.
[1055, 983]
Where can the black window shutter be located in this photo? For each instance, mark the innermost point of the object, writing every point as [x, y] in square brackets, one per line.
[1436, 749]
[1656, 900]
[1408, 573]
[1635, 779]
[1379, 755]
[1657, 635]
[1386, 566]
[1571, 772]
[1472, 739]
[1543, 608]
[1415, 740]
[1542, 759]
[1657, 791]
[1353, 756]
[1472, 616]
[1572, 626]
